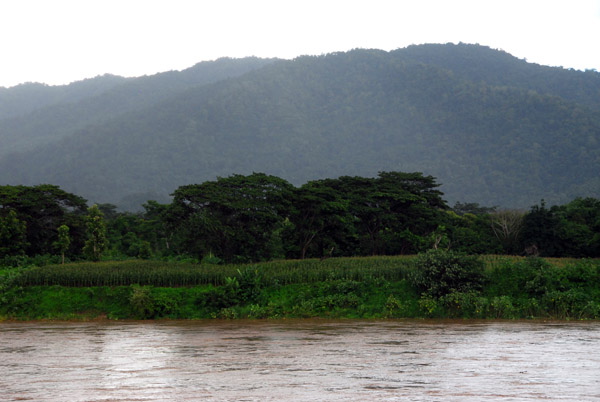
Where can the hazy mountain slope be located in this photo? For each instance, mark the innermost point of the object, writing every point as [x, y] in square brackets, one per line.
[482, 64]
[25, 98]
[352, 113]
[73, 110]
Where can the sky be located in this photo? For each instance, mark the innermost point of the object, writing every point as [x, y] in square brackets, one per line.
[60, 41]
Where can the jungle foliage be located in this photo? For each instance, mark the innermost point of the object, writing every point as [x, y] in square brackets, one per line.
[243, 219]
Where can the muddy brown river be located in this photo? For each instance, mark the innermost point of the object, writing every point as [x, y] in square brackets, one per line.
[305, 360]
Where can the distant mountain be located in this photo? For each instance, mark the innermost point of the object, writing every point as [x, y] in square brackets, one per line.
[25, 98]
[492, 128]
[498, 68]
[38, 114]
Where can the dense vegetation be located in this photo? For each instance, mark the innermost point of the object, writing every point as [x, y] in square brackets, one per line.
[177, 258]
[434, 284]
[492, 128]
[261, 218]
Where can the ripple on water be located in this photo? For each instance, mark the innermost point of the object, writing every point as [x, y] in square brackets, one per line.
[300, 360]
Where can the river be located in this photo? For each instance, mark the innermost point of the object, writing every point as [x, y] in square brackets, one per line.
[303, 360]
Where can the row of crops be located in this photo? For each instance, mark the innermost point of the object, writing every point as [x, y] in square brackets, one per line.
[171, 274]
[175, 274]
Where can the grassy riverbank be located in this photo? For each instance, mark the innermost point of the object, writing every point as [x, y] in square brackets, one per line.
[374, 287]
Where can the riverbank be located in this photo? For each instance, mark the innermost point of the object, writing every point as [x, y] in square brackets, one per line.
[369, 288]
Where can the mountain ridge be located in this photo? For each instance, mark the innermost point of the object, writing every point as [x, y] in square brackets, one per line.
[346, 113]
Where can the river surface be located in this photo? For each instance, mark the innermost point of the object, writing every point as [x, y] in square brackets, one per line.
[305, 360]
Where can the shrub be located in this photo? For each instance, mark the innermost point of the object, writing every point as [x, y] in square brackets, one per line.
[250, 284]
[502, 307]
[465, 305]
[393, 307]
[429, 307]
[141, 301]
[9, 289]
[440, 272]
[221, 297]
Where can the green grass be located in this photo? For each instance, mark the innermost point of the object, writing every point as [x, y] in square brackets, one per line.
[370, 287]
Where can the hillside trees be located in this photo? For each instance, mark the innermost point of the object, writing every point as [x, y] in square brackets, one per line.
[491, 127]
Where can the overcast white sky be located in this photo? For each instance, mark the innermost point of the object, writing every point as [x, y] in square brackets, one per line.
[60, 41]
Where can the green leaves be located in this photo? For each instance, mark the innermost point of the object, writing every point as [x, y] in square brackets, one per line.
[439, 272]
[43, 209]
[63, 241]
[232, 218]
[96, 230]
[12, 235]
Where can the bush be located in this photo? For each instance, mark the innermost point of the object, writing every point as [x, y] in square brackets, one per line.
[440, 272]
[141, 301]
[220, 297]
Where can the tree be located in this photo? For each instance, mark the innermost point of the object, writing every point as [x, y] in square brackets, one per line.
[472, 208]
[540, 231]
[414, 209]
[234, 217]
[96, 230]
[393, 213]
[471, 234]
[579, 227]
[506, 225]
[570, 230]
[13, 240]
[320, 218]
[44, 208]
[63, 241]
[155, 225]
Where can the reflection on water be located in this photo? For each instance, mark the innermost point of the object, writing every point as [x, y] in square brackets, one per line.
[307, 360]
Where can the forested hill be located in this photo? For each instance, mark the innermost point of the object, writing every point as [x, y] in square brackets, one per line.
[493, 129]
[485, 65]
[36, 114]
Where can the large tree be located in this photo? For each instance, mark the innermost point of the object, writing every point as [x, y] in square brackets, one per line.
[571, 230]
[44, 208]
[392, 213]
[234, 217]
[12, 235]
[320, 220]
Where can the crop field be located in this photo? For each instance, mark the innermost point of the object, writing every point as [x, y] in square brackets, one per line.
[283, 272]
[363, 287]
[171, 274]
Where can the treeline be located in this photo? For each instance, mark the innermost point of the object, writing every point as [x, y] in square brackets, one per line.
[260, 217]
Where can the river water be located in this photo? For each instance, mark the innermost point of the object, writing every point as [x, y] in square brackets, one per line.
[304, 360]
